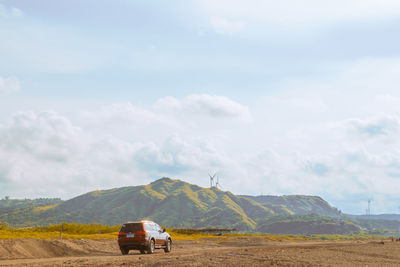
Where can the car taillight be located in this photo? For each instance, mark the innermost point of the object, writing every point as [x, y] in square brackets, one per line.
[141, 232]
[120, 234]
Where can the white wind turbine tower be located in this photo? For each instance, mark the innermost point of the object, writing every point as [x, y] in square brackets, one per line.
[212, 179]
[217, 184]
[369, 207]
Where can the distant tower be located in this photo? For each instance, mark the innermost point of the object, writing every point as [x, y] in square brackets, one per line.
[212, 179]
[217, 184]
[369, 207]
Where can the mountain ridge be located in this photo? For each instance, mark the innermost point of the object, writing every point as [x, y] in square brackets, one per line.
[175, 203]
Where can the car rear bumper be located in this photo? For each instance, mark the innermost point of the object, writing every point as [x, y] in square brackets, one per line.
[133, 245]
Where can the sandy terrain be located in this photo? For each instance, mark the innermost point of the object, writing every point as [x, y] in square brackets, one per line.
[238, 251]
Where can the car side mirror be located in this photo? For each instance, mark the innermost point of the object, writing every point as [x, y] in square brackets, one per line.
[163, 230]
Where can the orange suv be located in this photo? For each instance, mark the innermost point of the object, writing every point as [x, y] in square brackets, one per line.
[144, 236]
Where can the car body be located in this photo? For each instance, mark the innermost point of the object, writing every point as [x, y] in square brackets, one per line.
[144, 236]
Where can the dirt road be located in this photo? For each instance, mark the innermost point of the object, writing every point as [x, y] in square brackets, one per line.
[237, 251]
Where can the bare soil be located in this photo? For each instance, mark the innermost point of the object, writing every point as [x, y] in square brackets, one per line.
[233, 251]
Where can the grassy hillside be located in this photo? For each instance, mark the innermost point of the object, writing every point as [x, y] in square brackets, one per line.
[298, 204]
[172, 203]
[24, 211]
[389, 217]
[8, 203]
[169, 202]
[307, 224]
[104, 232]
[378, 224]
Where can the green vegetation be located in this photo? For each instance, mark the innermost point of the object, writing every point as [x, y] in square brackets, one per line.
[298, 204]
[374, 224]
[307, 224]
[69, 231]
[103, 232]
[170, 202]
[174, 203]
[8, 203]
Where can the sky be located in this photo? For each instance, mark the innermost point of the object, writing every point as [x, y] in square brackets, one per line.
[276, 97]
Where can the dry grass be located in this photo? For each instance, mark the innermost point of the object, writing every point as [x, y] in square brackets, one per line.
[102, 232]
[43, 208]
[70, 231]
[26, 233]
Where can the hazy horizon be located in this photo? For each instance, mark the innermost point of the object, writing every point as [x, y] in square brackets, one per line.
[277, 98]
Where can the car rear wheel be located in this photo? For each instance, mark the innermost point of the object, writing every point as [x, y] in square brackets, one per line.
[168, 246]
[150, 249]
[124, 251]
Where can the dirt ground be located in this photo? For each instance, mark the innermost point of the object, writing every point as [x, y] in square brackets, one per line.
[233, 251]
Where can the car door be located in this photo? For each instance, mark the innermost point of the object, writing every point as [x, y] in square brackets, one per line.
[151, 231]
[161, 235]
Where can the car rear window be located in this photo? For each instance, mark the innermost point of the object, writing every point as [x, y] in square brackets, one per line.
[131, 227]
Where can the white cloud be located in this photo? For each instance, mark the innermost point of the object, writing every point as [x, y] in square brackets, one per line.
[205, 105]
[334, 132]
[9, 84]
[180, 156]
[129, 122]
[376, 126]
[34, 148]
[280, 153]
[337, 136]
[124, 113]
[44, 153]
[340, 162]
[10, 12]
[44, 135]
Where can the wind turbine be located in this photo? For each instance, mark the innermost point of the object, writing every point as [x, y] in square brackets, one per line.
[217, 184]
[212, 179]
[369, 206]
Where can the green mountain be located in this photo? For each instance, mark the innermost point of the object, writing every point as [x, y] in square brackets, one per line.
[8, 203]
[175, 203]
[307, 225]
[169, 202]
[388, 217]
[298, 204]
